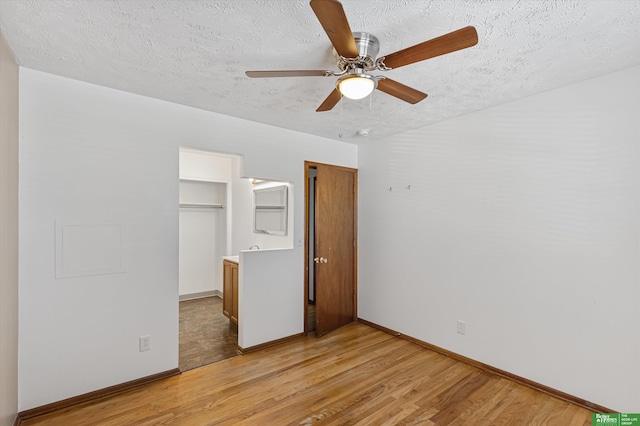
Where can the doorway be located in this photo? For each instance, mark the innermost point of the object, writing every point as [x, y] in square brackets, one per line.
[205, 334]
[330, 247]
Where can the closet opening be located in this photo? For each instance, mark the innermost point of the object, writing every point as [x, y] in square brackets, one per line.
[205, 194]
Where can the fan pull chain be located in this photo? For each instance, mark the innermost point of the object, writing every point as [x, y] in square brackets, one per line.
[340, 120]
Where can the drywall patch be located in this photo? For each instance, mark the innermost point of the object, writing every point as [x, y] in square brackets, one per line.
[84, 250]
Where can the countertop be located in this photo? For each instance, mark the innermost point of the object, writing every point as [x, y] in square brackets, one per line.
[234, 259]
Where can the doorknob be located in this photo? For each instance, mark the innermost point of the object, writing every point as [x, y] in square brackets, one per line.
[319, 260]
[316, 259]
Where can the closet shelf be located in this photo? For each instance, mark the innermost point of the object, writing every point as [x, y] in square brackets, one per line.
[270, 207]
[198, 180]
[200, 206]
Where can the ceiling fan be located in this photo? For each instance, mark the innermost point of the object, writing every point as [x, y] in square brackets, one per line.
[357, 57]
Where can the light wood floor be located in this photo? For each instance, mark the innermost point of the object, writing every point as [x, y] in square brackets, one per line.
[356, 375]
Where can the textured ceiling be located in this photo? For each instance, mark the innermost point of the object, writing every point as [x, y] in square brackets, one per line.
[195, 53]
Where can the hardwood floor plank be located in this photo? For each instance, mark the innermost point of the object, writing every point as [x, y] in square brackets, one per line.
[451, 402]
[421, 416]
[577, 416]
[554, 414]
[431, 389]
[520, 408]
[498, 414]
[353, 381]
[355, 375]
[475, 409]
[403, 413]
[396, 382]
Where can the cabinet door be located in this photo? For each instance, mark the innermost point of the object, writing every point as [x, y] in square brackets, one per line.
[227, 289]
[234, 292]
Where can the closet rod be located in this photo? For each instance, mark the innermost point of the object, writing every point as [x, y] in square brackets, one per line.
[200, 206]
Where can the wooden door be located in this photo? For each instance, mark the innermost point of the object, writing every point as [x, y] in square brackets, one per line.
[335, 247]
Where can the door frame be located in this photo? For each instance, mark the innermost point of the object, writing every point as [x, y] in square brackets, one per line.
[311, 165]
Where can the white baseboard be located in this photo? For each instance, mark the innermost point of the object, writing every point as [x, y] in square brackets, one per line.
[200, 295]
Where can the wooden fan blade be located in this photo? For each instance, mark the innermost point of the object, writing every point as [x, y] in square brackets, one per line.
[400, 91]
[332, 18]
[288, 73]
[457, 40]
[331, 101]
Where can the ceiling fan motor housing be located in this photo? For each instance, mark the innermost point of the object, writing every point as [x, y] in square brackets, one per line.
[367, 44]
[368, 47]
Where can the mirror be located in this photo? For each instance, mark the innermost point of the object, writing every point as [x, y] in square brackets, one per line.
[270, 210]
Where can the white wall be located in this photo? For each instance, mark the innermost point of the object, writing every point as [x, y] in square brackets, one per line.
[523, 221]
[205, 166]
[8, 234]
[270, 303]
[94, 155]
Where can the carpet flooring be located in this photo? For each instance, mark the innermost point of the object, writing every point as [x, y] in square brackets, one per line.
[206, 335]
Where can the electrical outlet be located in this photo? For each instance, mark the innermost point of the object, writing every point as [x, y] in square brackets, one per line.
[145, 343]
[462, 327]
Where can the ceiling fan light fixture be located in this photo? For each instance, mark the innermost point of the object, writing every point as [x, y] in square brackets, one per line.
[357, 86]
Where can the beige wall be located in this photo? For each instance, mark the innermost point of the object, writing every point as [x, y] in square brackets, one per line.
[8, 234]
